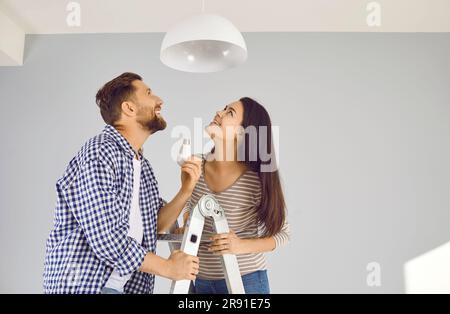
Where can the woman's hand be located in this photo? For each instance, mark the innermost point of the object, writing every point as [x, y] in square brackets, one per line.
[190, 173]
[227, 243]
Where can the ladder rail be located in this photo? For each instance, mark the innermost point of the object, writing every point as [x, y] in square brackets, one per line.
[207, 206]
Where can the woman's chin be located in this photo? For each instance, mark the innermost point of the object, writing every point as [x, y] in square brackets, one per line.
[210, 131]
[213, 136]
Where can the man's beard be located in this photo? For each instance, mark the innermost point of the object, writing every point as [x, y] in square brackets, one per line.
[153, 125]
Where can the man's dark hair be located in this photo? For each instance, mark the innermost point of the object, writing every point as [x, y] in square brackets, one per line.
[111, 96]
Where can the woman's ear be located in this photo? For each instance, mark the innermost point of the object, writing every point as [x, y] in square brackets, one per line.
[240, 132]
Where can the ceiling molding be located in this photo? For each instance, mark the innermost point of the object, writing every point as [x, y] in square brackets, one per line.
[137, 16]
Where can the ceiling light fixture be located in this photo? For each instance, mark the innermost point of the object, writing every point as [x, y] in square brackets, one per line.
[203, 43]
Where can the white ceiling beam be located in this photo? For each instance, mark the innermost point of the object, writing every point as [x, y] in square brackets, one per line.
[12, 42]
[137, 16]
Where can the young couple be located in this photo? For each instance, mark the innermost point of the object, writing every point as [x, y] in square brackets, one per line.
[109, 210]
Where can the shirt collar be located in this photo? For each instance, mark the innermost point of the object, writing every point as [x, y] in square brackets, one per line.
[121, 141]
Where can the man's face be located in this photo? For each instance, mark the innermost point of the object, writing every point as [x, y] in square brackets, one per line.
[149, 108]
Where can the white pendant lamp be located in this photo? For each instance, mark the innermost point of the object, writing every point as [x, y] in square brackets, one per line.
[203, 43]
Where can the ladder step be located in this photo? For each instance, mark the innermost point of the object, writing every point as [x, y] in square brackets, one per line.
[177, 238]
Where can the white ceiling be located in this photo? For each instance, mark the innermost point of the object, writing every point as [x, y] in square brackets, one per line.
[112, 16]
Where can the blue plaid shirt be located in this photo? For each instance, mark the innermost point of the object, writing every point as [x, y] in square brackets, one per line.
[90, 233]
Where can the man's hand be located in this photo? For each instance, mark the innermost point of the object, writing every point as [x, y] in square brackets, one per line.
[190, 173]
[182, 229]
[179, 266]
[182, 266]
[179, 230]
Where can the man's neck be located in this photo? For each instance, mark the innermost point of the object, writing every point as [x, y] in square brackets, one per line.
[135, 135]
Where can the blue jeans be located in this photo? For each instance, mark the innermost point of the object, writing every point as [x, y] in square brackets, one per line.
[107, 290]
[254, 283]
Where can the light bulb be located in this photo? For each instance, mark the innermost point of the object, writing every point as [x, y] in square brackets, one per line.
[185, 152]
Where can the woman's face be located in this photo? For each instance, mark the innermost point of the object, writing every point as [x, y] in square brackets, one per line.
[227, 122]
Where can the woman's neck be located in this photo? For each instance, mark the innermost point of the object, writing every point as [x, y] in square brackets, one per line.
[222, 163]
[225, 152]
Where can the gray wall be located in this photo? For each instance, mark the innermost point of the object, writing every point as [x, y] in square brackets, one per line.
[364, 151]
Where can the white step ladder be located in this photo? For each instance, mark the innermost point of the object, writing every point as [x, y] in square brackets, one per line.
[207, 206]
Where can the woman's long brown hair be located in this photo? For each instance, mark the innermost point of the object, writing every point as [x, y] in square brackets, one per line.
[272, 210]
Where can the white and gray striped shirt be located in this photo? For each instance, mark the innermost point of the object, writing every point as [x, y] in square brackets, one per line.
[239, 202]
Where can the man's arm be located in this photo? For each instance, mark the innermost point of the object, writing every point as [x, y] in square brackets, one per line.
[190, 173]
[93, 203]
[168, 214]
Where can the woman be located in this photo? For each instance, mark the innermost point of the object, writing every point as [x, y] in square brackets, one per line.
[250, 193]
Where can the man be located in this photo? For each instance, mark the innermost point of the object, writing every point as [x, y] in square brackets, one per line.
[109, 210]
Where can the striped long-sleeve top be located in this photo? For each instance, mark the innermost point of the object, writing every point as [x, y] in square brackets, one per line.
[239, 202]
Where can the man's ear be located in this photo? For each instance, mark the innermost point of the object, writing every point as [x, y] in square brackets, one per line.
[129, 108]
